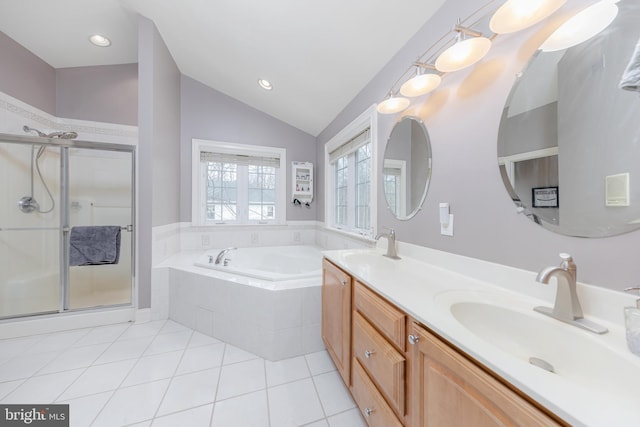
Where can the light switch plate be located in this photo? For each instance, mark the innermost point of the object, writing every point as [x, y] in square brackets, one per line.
[448, 229]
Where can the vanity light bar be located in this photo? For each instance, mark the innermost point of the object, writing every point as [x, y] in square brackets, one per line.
[466, 47]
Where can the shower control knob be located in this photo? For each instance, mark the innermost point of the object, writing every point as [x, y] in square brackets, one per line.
[413, 339]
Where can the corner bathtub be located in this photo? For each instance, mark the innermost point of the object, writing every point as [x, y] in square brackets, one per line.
[267, 300]
[277, 263]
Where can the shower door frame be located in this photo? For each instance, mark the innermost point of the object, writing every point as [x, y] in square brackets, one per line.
[65, 145]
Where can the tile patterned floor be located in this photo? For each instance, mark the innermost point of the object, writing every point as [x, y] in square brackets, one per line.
[164, 374]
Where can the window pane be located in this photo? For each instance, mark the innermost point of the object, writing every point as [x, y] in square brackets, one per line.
[221, 191]
[340, 191]
[262, 192]
[363, 187]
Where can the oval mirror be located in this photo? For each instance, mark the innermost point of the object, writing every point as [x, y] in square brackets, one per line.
[407, 167]
[569, 138]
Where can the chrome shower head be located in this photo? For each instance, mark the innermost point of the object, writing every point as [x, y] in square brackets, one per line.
[27, 129]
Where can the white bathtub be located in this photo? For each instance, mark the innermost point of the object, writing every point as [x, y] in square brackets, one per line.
[266, 300]
[274, 263]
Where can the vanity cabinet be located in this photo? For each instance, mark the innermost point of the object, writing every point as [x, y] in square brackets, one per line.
[336, 317]
[450, 390]
[401, 374]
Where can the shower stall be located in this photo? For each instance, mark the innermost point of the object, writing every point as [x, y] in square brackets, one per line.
[51, 188]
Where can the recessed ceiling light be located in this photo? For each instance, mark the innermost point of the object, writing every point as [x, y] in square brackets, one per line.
[265, 84]
[99, 40]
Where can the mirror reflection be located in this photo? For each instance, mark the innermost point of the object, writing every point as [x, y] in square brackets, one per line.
[407, 167]
[569, 139]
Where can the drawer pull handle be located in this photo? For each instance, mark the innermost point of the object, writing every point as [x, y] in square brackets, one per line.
[368, 354]
[344, 282]
[413, 339]
[368, 412]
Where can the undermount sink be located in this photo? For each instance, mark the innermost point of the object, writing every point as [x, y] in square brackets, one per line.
[509, 324]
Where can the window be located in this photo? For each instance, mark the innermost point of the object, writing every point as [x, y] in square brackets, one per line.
[350, 178]
[237, 183]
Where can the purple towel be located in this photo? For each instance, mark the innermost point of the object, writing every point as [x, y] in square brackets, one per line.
[94, 245]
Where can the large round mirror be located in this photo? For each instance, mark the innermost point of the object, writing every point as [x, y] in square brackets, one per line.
[569, 139]
[406, 167]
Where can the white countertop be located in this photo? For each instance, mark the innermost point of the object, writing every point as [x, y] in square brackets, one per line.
[424, 278]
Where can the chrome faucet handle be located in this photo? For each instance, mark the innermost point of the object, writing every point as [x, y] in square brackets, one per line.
[392, 252]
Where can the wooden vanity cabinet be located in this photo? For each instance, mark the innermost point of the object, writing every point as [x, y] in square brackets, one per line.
[401, 374]
[336, 317]
[450, 390]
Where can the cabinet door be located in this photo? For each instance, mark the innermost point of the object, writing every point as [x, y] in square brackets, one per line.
[336, 317]
[449, 390]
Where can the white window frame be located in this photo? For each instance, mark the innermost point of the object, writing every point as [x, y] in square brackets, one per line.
[198, 201]
[368, 119]
[401, 195]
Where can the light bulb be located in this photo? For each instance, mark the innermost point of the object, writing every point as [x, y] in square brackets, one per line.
[582, 26]
[393, 104]
[516, 15]
[463, 54]
[420, 84]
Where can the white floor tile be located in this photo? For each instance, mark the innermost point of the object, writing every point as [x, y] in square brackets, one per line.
[153, 368]
[83, 410]
[125, 349]
[43, 388]
[334, 395]
[99, 378]
[234, 355]
[285, 371]
[132, 404]
[190, 390]
[165, 342]
[294, 404]
[12, 347]
[200, 416]
[58, 341]
[75, 357]
[241, 378]
[321, 423]
[8, 387]
[142, 330]
[170, 326]
[102, 334]
[142, 424]
[249, 410]
[199, 358]
[350, 418]
[199, 339]
[320, 362]
[25, 365]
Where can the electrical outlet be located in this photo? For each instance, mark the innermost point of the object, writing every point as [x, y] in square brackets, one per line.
[296, 236]
[205, 241]
[254, 238]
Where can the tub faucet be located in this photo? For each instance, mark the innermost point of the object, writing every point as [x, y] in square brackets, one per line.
[567, 307]
[392, 252]
[222, 254]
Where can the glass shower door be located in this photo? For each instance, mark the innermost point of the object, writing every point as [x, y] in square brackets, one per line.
[29, 229]
[100, 193]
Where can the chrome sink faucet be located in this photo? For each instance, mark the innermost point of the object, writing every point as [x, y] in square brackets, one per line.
[567, 306]
[222, 254]
[392, 252]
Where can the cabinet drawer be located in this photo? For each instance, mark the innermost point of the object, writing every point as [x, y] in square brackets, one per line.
[372, 405]
[385, 365]
[388, 319]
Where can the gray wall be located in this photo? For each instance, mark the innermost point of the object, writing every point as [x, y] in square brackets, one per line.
[463, 117]
[158, 146]
[211, 115]
[25, 76]
[106, 93]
